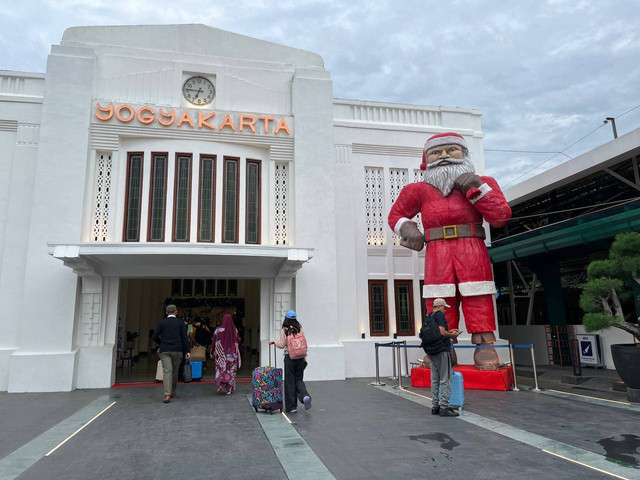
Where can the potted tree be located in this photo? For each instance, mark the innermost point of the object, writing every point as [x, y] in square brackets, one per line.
[611, 283]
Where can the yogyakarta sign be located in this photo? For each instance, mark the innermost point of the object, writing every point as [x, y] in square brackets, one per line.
[202, 120]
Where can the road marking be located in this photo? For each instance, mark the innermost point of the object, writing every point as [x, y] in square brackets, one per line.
[24, 457]
[587, 396]
[578, 455]
[79, 430]
[585, 465]
[294, 454]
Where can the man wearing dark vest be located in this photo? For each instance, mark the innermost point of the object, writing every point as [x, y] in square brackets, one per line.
[171, 335]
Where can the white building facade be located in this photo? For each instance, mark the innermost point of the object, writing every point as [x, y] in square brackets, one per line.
[148, 154]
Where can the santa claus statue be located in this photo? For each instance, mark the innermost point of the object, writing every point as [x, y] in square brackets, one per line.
[453, 201]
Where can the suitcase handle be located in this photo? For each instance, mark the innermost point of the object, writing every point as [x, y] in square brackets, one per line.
[275, 355]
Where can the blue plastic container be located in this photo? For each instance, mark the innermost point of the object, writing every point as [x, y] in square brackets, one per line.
[196, 370]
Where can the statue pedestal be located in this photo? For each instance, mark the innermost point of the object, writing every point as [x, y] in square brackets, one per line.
[500, 380]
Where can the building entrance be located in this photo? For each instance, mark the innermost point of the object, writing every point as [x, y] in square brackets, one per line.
[201, 303]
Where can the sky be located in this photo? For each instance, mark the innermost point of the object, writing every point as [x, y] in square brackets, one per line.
[545, 73]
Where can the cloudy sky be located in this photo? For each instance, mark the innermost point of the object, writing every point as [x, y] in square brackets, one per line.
[544, 72]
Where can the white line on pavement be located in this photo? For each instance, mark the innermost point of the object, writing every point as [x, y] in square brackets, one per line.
[24, 457]
[560, 449]
[78, 431]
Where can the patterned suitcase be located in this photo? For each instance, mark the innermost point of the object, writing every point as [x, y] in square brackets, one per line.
[457, 390]
[267, 387]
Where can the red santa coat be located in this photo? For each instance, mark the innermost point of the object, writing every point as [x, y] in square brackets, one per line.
[458, 268]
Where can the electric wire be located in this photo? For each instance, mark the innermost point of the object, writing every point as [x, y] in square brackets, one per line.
[556, 153]
[554, 156]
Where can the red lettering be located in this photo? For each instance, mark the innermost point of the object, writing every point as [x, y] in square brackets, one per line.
[202, 121]
[282, 125]
[266, 121]
[227, 122]
[171, 115]
[185, 118]
[248, 121]
[108, 111]
[146, 115]
[129, 109]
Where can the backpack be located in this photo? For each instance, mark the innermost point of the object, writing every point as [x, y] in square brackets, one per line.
[203, 335]
[297, 345]
[432, 340]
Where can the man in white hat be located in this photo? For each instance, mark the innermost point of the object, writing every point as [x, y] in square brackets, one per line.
[441, 365]
[453, 202]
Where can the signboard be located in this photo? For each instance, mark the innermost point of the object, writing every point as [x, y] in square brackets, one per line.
[193, 119]
[589, 350]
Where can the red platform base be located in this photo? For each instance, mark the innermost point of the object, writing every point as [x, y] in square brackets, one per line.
[501, 379]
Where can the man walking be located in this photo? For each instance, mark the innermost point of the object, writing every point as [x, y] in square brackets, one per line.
[439, 351]
[171, 335]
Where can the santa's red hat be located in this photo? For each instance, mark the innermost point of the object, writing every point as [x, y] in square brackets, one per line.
[448, 138]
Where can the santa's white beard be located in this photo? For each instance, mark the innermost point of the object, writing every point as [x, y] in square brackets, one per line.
[443, 176]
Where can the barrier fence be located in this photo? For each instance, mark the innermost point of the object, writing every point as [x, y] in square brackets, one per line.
[397, 360]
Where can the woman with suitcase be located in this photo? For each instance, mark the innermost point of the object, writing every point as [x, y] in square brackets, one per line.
[226, 354]
[294, 343]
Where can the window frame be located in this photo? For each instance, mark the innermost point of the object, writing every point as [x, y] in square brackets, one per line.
[246, 203]
[175, 196]
[219, 291]
[151, 186]
[185, 282]
[409, 284]
[214, 159]
[224, 198]
[126, 195]
[386, 308]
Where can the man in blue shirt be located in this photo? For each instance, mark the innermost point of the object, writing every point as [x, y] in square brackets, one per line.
[441, 366]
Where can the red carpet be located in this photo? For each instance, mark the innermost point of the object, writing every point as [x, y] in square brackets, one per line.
[473, 379]
[156, 384]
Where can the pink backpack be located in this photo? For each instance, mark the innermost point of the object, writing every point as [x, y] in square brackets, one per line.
[297, 346]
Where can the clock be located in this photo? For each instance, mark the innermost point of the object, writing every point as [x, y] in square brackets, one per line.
[198, 90]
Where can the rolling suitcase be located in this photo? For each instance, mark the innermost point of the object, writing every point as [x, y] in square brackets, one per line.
[267, 386]
[457, 390]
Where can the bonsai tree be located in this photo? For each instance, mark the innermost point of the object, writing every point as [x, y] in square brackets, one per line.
[608, 286]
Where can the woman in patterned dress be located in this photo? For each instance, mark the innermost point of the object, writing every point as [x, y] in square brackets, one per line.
[226, 354]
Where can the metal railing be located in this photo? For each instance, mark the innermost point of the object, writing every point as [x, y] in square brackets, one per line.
[397, 360]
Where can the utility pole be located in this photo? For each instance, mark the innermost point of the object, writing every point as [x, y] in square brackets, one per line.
[613, 125]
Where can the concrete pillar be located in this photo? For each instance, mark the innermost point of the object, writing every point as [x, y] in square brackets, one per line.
[314, 221]
[47, 361]
[548, 272]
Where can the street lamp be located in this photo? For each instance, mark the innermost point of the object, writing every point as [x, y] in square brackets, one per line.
[613, 125]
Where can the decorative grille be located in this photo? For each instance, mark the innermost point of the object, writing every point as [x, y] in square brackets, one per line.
[374, 205]
[281, 203]
[397, 181]
[100, 223]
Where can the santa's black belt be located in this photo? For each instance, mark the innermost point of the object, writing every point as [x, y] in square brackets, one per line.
[448, 232]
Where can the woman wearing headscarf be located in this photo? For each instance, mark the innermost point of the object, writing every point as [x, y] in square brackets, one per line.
[226, 354]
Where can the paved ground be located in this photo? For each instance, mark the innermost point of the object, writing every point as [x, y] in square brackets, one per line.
[353, 431]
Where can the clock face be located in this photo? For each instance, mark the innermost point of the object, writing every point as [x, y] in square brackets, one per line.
[198, 90]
